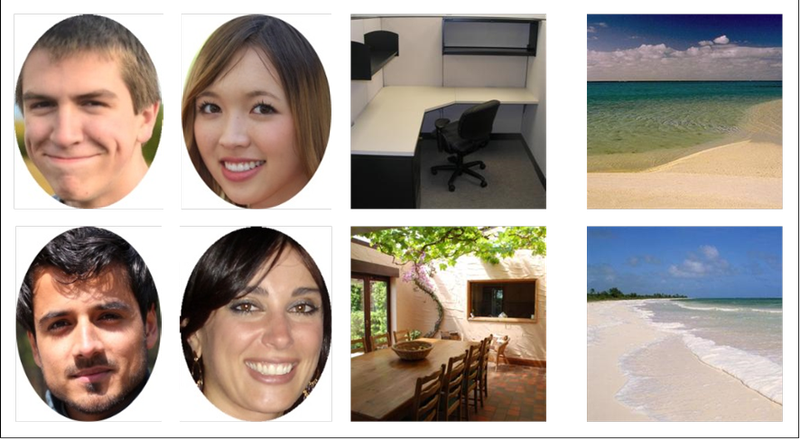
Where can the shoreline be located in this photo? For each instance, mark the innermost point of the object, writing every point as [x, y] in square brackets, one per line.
[639, 373]
[742, 173]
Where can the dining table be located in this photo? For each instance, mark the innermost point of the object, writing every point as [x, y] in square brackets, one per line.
[382, 385]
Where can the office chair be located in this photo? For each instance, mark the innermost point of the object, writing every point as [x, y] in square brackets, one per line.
[470, 133]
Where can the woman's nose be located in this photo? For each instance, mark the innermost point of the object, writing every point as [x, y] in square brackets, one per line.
[234, 132]
[278, 331]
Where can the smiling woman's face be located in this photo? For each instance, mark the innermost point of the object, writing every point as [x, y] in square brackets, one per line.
[245, 134]
[261, 350]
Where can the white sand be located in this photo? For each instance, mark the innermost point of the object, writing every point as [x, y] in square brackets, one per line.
[690, 389]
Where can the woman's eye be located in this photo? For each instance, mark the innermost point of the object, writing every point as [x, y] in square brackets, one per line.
[243, 307]
[304, 308]
[263, 109]
[208, 108]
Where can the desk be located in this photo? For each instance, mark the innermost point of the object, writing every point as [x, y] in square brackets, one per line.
[383, 140]
[382, 385]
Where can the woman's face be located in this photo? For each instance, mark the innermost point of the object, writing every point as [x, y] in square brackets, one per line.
[245, 134]
[260, 350]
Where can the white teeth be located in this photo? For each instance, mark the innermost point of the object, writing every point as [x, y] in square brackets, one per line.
[270, 368]
[243, 166]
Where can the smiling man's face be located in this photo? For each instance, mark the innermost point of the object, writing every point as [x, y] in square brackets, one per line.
[91, 342]
[81, 130]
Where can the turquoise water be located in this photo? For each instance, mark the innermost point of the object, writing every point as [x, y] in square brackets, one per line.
[650, 117]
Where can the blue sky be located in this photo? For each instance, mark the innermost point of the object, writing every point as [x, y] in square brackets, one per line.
[700, 262]
[684, 47]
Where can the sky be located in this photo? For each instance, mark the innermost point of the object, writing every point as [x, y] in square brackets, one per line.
[684, 47]
[699, 262]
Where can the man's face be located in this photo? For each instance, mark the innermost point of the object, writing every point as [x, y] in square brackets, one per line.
[81, 130]
[90, 343]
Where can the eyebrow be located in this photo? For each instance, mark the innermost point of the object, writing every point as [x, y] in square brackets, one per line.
[250, 94]
[299, 291]
[108, 306]
[95, 94]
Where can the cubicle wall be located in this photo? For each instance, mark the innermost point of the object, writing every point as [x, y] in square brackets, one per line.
[361, 92]
[534, 120]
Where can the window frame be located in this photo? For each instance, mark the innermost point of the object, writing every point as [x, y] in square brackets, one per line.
[535, 283]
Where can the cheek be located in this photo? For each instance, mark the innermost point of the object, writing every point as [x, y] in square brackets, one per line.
[37, 129]
[277, 140]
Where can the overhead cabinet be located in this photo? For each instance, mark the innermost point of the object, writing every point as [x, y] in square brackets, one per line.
[489, 36]
[368, 58]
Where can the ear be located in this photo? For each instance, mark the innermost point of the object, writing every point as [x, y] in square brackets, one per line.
[196, 342]
[34, 349]
[151, 328]
[148, 118]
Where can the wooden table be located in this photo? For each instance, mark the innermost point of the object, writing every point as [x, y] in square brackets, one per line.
[382, 385]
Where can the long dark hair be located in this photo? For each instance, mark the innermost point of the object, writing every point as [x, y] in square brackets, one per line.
[226, 269]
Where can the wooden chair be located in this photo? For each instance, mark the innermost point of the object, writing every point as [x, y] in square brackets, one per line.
[483, 377]
[452, 387]
[470, 384]
[355, 348]
[402, 335]
[497, 352]
[426, 396]
[380, 341]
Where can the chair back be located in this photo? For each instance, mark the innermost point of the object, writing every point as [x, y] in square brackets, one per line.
[379, 341]
[476, 123]
[451, 392]
[358, 346]
[402, 335]
[426, 396]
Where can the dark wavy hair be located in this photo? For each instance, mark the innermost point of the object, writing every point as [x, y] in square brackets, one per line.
[85, 253]
[226, 269]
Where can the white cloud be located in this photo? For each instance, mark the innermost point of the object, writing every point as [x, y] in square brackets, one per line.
[706, 43]
[602, 24]
[706, 62]
[591, 29]
[705, 263]
[722, 40]
[710, 252]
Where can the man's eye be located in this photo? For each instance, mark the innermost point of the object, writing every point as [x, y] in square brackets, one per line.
[41, 105]
[110, 317]
[57, 325]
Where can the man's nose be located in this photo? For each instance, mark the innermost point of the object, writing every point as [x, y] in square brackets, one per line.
[88, 342]
[234, 133]
[68, 127]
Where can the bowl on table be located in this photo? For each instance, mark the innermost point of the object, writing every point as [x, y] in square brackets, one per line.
[412, 350]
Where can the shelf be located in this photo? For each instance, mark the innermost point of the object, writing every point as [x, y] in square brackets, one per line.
[489, 36]
[378, 49]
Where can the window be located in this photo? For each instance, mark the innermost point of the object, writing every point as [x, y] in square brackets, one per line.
[508, 300]
[371, 293]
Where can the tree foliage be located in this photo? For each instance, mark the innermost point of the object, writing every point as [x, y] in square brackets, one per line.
[615, 294]
[444, 245]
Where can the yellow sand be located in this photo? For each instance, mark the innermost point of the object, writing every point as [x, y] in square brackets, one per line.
[745, 174]
[740, 175]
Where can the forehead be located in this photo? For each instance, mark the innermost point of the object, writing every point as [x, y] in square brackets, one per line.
[75, 73]
[53, 291]
[249, 68]
[289, 270]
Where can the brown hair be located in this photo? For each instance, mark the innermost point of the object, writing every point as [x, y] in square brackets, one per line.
[299, 70]
[102, 35]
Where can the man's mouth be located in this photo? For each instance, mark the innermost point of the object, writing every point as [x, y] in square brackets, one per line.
[92, 374]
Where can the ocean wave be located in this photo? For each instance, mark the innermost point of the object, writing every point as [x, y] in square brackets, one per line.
[769, 311]
[709, 308]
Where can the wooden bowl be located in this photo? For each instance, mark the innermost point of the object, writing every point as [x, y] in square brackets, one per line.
[412, 350]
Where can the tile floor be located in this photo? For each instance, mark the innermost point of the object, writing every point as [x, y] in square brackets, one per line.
[516, 393]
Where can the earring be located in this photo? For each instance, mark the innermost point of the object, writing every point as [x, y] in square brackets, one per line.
[309, 388]
[197, 371]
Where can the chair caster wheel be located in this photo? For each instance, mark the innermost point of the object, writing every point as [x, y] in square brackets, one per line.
[484, 184]
[452, 188]
[433, 171]
[483, 166]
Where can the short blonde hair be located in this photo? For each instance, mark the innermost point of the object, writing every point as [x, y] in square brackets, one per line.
[299, 70]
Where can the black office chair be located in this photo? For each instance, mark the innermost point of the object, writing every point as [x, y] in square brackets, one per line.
[470, 133]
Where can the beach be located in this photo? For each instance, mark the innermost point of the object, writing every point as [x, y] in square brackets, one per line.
[739, 168]
[645, 365]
